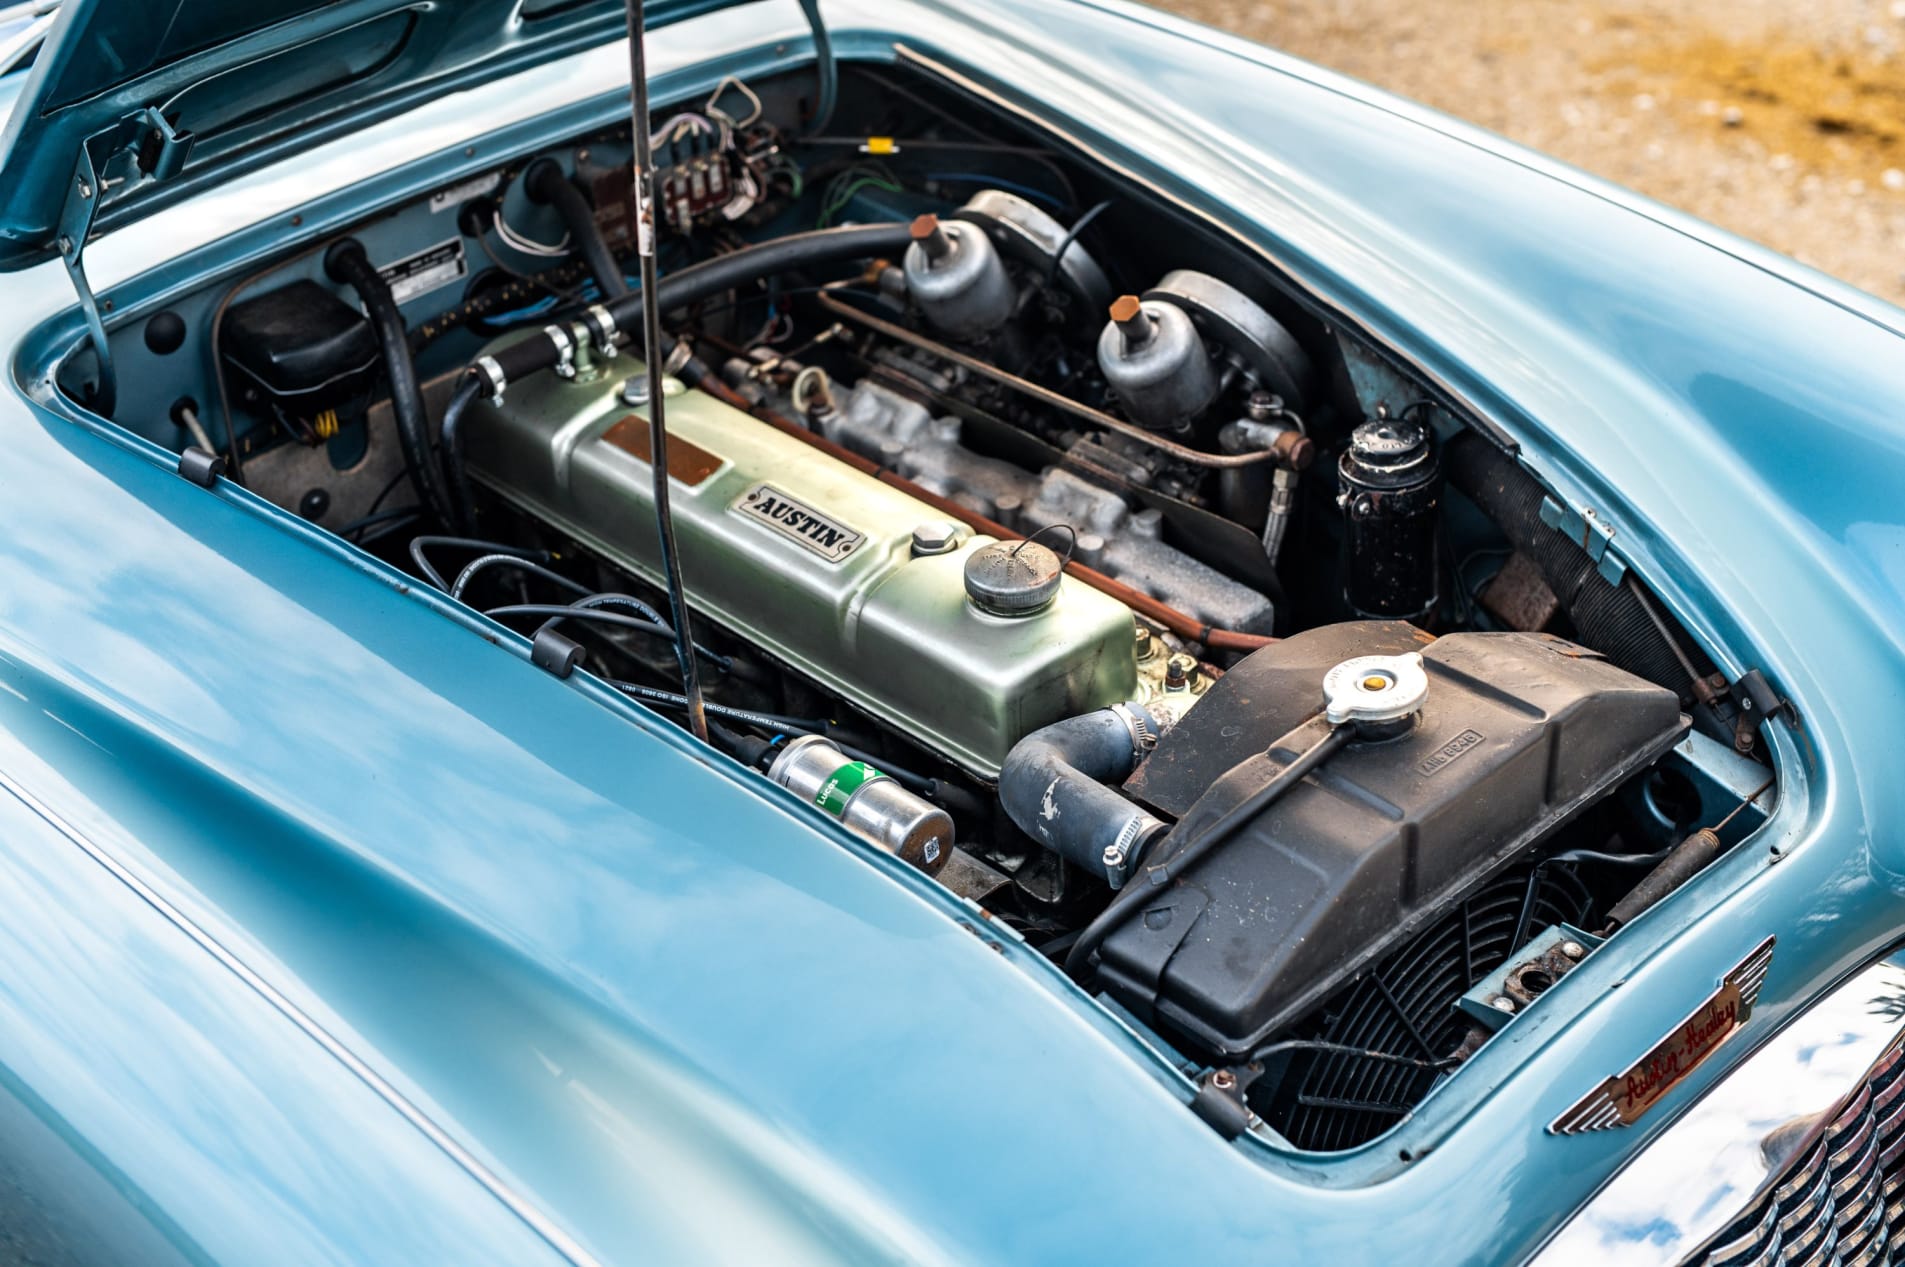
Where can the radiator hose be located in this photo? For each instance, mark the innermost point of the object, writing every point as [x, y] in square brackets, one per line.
[347, 263]
[1608, 618]
[1053, 785]
[545, 183]
[689, 285]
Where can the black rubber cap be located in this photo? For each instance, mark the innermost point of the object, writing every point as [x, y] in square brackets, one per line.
[337, 253]
[554, 653]
[1221, 1111]
[536, 181]
[165, 333]
[200, 467]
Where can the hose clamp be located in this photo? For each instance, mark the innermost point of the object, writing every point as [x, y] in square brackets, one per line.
[678, 357]
[1143, 731]
[491, 373]
[565, 350]
[601, 326]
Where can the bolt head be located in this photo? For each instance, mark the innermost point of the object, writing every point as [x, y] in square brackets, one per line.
[314, 503]
[1114, 856]
[935, 536]
[1180, 669]
[1573, 949]
[1502, 1003]
[635, 391]
[1223, 1080]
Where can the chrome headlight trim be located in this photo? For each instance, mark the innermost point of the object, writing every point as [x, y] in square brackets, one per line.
[1707, 1168]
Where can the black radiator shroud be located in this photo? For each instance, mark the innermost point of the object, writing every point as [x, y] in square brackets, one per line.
[1352, 884]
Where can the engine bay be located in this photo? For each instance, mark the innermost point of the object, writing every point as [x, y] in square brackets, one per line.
[1032, 528]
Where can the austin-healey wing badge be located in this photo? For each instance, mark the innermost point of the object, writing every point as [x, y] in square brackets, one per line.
[1623, 1098]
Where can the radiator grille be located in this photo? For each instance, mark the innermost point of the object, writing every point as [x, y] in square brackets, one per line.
[1841, 1199]
[1405, 1005]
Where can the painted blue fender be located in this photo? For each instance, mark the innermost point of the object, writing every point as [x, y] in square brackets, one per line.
[681, 1020]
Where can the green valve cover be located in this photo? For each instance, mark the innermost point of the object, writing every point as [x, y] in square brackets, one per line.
[807, 558]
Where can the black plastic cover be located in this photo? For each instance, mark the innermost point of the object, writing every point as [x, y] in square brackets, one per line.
[301, 346]
[1519, 732]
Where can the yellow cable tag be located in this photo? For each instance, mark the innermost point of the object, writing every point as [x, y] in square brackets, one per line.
[880, 145]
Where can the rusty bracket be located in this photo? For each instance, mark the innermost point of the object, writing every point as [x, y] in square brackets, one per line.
[1759, 703]
[1589, 531]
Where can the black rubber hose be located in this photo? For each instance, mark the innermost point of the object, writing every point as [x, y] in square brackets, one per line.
[346, 262]
[723, 273]
[1053, 785]
[545, 182]
[1172, 864]
[1608, 618]
[462, 497]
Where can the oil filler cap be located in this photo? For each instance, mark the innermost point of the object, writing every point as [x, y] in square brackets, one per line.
[1013, 578]
[1374, 689]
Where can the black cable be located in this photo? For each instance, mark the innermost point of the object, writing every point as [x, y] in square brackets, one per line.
[462, 497]
[386, 491]
[1173, 865]
[766, 721]
[435, 577]
[520, 564]
[1042, 156]
[377, 532]
[347, 263]
[1345, 1049]
[382, 516]
[636, 605]
[629, 601]
[1078, 226]
[918, 782]
[582, 613]
[1619, 859]
[545, 182]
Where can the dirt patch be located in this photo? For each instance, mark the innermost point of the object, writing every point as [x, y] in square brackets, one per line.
[1830, 110]
[1785, 125]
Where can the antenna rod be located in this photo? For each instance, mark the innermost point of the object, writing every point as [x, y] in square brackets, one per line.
[652, 355]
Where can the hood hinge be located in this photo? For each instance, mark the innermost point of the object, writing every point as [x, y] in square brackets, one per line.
[142, 148]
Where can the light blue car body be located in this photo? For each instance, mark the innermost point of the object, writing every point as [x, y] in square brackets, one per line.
[335, 932]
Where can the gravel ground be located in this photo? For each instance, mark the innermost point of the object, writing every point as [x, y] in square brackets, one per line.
[1784, 123]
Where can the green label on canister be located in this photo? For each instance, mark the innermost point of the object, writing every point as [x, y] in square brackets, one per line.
[842, 784]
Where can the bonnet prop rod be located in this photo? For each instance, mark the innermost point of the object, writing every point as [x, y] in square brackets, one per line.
[654, 370]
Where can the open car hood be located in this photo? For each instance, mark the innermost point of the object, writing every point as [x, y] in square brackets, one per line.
[161, 97]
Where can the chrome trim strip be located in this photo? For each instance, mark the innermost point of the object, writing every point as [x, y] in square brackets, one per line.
[538, 1222]
[1747, 1132]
